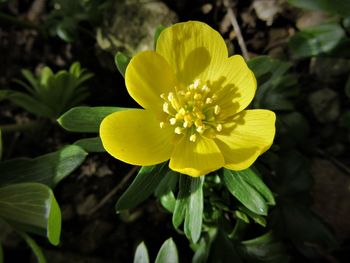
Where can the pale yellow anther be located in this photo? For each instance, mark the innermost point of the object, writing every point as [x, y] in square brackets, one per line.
[208, 101]
[193, 138]
[166, 107]
[217, 109]
[178, 130]
[214, 97]
[205, 89]
[200, 115]
[179, 116]
[219, 127]
[170, 96]
[196, 83]
[172, 121]
[188, 94]
[188, 118]
[162, 96]
[197, 96]
[182, 111]
[161, 124]
[198, 122]
[200, 129]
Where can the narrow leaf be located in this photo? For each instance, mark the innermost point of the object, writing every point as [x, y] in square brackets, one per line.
[121, 61]
[181, 201]
[141, 254]
[91, 144]
[167, 253]
[244, 192]
[194, 210]
[34, 246]
[48, 169]
[142, 187]
[85, 119]
[31, 207]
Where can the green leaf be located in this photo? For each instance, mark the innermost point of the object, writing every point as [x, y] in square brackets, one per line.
[142, 187]
[194, 209]
[181, 201]
[165, 190]
[34, 246]
[341, 7]
[265, 248]
[159, 30]
[48, 169]
[245, 190]
[121, 61]
[315, 41]
[167, 253]
[141, 254]
[257, 218]
[91, 144]
[85, 119]
[31, 207]
[168, 201]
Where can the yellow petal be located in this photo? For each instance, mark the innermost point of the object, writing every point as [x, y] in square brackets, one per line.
[192, 49]
[250, 134]
[134, 136]
[147, 76]
[196, 158]
[235, 85]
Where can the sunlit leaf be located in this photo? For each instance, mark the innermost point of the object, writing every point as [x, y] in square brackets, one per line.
[31, 207]
[121, 61]
[167, 253]
[141, 254]
[85, 119]
[91, 144]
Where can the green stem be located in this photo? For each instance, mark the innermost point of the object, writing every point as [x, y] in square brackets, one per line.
[239, 229]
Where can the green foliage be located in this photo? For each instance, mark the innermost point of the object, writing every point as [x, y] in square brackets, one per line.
[34, 247]
[49, 95]
[276, 87]
[166, 254]
[66, 16]
[31, 207]
[48, 169]
[121, 61]
[341, 7]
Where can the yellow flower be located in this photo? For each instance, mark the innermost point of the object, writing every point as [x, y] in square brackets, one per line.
[194, 97]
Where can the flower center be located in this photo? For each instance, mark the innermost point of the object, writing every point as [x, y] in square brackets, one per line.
[192, 111]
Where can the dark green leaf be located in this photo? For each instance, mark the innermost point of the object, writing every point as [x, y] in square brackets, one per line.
[91, 144]
[85, 119]
[121, 61]
[257, 218]
[181, 200]
[34, 246]
[48, 169]
[315, 41]
[341, 7]
[347, 87]
[141, 254]
[240, 187]
[31, 207]
[143, 186]
[194, 209]
[168, 201]
[167, 253]
[167, 184]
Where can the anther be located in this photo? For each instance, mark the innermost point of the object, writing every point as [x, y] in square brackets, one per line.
[162, 96]
[200, 129]
[170, 96]
[208, 101]
[161, 124]
[172, 121]
[196, 83]
[197, 96]
[205, 89]
[178, 130]
[166, 107]
[217, 109]
[219, 127]
[193, 138]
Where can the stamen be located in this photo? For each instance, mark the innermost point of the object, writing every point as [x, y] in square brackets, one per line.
[172, 121]
[170, 96]
[219, 127]
[205, 89]
[166, 107]
[217, 109]
[161, 124]
[178, 130]
[197, 96]
[208, 101]
[162, 96]
[200, 129]
[196, 83]
[193, 138]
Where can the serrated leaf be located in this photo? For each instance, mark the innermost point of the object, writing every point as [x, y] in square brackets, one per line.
[31, 207]
[34, 247]
[167, 253]
[48, 169]
[91, 144]
[237, 184]
[121, 61]
[141, 254]
[85, 119]
[142, 187]
[194, 209]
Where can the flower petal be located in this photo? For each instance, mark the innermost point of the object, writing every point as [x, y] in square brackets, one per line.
[250, 134]
[192, 49]
[134, 136]
[196, 158]
[147, 76]
[235, 85]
